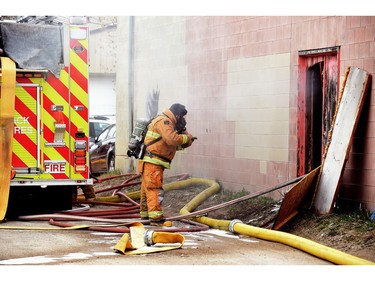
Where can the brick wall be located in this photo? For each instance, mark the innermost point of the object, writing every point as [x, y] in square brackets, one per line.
[239, 93]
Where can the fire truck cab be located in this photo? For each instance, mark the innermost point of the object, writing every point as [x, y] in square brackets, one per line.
[51, 112]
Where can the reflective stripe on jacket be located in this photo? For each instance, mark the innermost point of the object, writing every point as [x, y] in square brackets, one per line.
[162, 152]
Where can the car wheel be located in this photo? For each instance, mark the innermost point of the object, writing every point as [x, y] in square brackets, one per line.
[111, 163]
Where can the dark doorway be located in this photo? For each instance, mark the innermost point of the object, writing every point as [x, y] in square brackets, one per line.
[314, 127]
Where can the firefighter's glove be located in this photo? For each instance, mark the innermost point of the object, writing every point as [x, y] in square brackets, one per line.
[190, 142]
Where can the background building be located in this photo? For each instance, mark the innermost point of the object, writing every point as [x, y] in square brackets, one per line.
[103, 59]
[242, 80]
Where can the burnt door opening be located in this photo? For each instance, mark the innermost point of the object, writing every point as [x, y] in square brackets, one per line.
[318, 83]
[314, 94]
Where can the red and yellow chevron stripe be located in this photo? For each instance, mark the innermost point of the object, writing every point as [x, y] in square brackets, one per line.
[45, 105]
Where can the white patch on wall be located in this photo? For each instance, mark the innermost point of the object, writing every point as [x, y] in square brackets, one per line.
[258, 101]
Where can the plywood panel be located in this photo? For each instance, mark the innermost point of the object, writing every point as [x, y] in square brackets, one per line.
[299, 195]
[337, 150]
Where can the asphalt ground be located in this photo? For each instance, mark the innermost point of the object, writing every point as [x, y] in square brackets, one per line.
[86, 253]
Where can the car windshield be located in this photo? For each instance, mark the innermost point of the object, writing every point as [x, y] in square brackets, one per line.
[103, 135]
[109, 132]
[99, 127]
[112, 132]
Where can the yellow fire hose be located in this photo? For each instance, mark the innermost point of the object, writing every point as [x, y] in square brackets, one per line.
[236, 226]
[8, 91]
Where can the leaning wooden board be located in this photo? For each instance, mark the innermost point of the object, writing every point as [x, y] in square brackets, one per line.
[8, 90]
[297, 197]
[351, 103]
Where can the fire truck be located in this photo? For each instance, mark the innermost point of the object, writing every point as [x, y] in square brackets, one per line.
[44, 89]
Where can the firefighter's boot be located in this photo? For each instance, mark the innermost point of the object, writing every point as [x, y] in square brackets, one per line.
[89, 192]
[160, 222]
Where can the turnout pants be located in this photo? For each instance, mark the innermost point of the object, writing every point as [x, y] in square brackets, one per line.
[152, 193]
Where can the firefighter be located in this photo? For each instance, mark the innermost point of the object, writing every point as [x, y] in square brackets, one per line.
[166, 134]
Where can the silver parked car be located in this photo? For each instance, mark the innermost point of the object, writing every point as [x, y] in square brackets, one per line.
[97, 125]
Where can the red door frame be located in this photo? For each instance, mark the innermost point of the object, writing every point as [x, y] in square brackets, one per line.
[306, 59]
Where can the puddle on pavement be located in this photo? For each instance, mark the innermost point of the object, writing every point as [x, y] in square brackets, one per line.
[107, 238]
[211, 232]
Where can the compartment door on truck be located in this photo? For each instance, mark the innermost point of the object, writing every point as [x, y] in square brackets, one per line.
[26, 158]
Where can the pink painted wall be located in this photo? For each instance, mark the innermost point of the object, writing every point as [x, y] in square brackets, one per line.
[212, 41]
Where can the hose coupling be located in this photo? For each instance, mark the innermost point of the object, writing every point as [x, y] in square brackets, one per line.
[147, 238]
[232, 223]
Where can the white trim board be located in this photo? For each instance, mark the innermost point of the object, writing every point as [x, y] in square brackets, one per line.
[345, 123]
